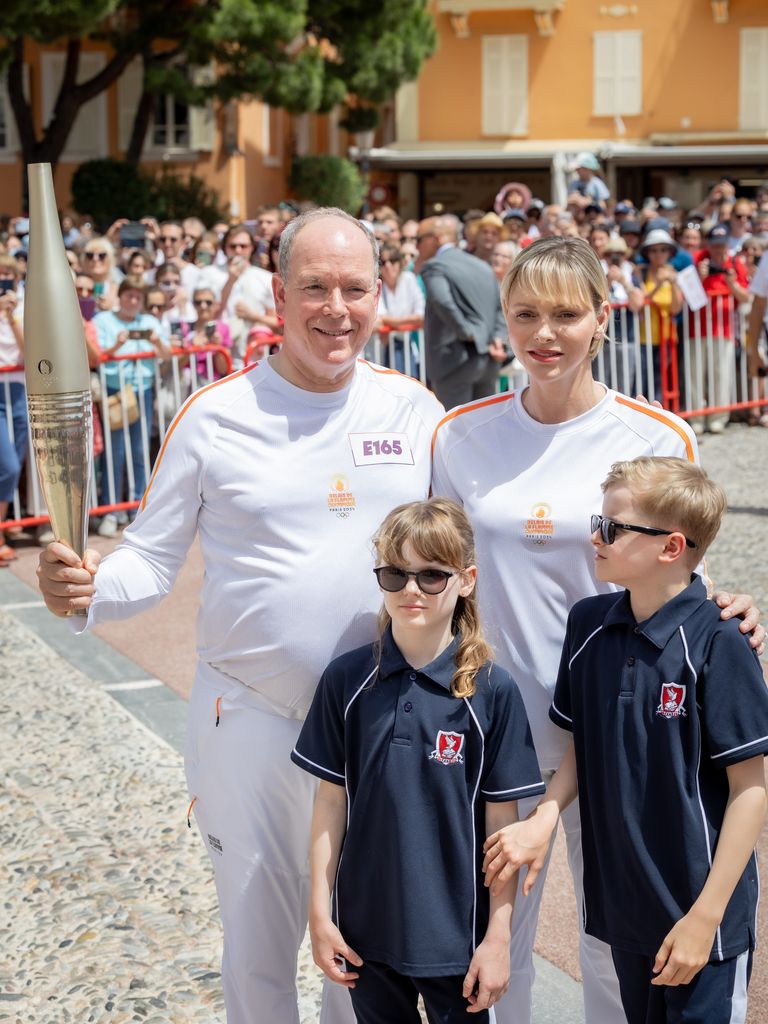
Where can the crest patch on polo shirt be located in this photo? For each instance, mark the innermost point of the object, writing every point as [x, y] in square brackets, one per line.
[448, 748]
[672, 701]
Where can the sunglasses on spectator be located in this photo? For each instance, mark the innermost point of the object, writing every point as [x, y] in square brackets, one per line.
[608, 528]
[409, 238]
[96, 256]
[429, 581]
[85, 289]
[741, 216]
[202, 302]
[393, 263]
[427, 234]
[239, 245]
[170, 238]
[155, 305]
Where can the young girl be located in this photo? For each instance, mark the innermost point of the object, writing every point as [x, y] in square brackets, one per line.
[422, 747]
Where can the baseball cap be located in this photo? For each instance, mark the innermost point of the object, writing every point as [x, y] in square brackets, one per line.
[622, 208]
[667, 204]
[587, 160]
[631, 227]
[718, 233]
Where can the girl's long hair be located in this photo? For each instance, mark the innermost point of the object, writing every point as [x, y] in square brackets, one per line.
[439, 531]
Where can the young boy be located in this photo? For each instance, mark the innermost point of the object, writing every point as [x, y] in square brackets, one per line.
[669, 714]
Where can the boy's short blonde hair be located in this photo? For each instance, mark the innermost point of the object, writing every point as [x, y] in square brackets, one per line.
[561, 271]
[674, 494]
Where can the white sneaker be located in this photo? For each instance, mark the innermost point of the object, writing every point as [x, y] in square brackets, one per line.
[108, 526]
[44, 535]
[716, 427]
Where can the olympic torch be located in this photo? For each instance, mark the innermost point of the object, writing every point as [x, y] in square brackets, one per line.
[56, 366]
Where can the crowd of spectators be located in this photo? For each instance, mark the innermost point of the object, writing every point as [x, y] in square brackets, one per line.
[204, 293]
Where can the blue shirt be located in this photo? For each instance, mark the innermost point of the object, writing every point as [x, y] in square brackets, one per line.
[658, 711]
[139, 372]
[419, 765]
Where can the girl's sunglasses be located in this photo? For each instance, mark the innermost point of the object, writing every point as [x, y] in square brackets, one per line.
[429, 581]
[608, 528]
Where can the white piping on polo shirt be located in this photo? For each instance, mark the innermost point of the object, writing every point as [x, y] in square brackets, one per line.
[315, 765]
[474, 836]
[582, 648]
[557, 711]
[733, 750]
[504, 792]
[354, 697]
[698, 787]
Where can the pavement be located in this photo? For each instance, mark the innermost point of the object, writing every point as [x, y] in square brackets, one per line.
[109, 904]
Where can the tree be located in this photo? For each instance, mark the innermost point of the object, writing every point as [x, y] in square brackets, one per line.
[303, 55]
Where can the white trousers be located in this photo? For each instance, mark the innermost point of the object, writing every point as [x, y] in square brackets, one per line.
[254, 808]
[602, 1001]
[713, 375]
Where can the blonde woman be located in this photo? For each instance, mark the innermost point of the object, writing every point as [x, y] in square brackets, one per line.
[98, 261]
[527, 466]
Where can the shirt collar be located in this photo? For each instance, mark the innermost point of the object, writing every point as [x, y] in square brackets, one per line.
[440, 671]
[662, 625]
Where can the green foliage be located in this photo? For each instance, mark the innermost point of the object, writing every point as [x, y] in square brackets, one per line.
[328, 181]
[174, 198]
[360, 119]
[108, 189]
[303, 55]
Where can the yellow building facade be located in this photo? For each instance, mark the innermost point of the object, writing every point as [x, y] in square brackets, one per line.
[669, 94]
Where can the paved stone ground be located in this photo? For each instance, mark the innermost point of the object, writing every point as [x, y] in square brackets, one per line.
[108, 902]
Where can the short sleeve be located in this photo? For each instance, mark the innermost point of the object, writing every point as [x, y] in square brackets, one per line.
[561, 708]
[319, 749]
[733, 699]
[759, 285]
[442, 485]
[510, 768]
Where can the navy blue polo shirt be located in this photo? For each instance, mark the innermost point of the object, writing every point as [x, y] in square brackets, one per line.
[419, 765]
[658, 711]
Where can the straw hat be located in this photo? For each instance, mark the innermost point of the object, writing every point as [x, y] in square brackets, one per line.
[489, 220]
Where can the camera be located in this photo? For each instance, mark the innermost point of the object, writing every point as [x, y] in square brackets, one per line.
[140, 335]
[133, 235]
[614, 259]
[210, 329]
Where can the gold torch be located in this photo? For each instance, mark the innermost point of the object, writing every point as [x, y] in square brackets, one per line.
[56, 366]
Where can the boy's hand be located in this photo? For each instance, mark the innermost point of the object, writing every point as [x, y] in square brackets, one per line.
[506, 851]
[489, 973]
[328, 946]
[685, 950]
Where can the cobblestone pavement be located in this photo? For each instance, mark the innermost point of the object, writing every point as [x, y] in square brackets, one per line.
[109, 909]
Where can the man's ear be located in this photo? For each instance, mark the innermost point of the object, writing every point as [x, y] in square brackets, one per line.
[278, 290]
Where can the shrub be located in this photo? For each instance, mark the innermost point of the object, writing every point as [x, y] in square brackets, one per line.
[108, 189]
[328, 181]
[174, 198]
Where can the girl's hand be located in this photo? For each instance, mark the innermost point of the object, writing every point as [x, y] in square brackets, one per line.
[506, 851]
[488, 973]
[684, 951]
[328, 946]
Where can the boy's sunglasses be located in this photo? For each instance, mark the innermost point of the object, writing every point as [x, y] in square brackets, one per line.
[429, 581]
[608, 528]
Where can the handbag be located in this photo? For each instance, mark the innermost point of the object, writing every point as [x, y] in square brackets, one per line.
[126, 397]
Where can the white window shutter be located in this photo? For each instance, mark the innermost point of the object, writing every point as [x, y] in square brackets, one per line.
[129, 89]
[617, 67]
[202, 121]
[505, 85]
[12, 144]
[88, 137]
[753, 79]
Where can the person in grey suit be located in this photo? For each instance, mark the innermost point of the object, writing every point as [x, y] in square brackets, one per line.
[463, 322]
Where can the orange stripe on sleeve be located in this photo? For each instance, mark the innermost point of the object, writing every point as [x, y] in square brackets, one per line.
[505, 397]
[648, 410]
[177, 420]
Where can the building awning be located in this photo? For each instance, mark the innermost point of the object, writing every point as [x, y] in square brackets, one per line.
[415, 156]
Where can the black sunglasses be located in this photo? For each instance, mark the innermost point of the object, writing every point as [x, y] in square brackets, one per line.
[608, 528]
[429, 581]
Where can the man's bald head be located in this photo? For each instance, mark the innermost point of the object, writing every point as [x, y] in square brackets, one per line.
[327, 213]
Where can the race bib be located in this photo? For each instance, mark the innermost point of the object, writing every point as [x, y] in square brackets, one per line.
[377, 449]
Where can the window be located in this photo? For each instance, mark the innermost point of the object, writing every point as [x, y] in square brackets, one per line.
[753, 79]
[505, 85]
[88, 137]
[170, 124]
[618, 74]
[174, 126]
[272, 136]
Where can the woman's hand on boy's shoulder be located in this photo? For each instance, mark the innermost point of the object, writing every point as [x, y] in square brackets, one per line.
[487, 979]
[743, 606]
[329, 948]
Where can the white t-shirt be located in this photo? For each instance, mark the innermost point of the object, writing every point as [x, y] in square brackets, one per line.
[406, 300]
[530, 489]
[759, 284]
[254, 287]
[10, 353]
[286, 488]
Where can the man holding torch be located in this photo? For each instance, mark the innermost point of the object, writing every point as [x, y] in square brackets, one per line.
[279, 470]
